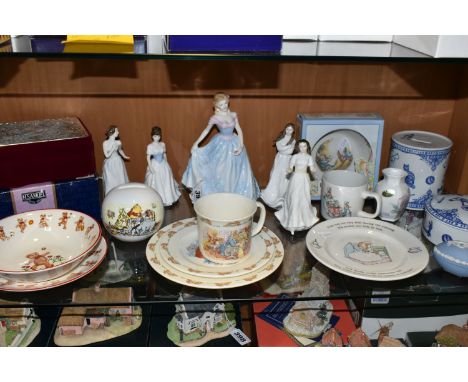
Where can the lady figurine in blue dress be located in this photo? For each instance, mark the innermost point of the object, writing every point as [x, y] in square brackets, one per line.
[222, 165]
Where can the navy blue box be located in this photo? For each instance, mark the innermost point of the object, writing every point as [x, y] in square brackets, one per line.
[224, 43]
[79, 194]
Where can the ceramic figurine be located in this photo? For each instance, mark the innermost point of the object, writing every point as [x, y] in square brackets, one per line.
[394, 192]
[83, 325]
[222, 165]
[297, 212]
[158, 173]
[310, 318]
[452, 335]
[332, 338]
[272, 195]
[359, 339]
[113, 171]
[18, 326]
[196, 324]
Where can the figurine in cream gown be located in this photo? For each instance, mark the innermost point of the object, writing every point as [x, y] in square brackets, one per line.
[273, 194]
[158, 173]
[114, 172]
[297, 212]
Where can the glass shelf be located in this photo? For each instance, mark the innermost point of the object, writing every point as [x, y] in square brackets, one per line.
[149, 48]
[433, 287]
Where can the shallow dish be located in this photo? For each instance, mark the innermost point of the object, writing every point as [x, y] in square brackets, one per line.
[452, 256]
[45, 244]
[165, 257]
[367, 249]
[88, 264]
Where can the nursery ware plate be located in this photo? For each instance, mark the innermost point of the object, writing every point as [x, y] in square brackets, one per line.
[367, 249]
[179, 246]
[168, 255]
[342, 150]
[87, 265]
[45, 244]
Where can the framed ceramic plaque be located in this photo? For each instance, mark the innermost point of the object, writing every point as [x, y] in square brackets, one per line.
[351, 142]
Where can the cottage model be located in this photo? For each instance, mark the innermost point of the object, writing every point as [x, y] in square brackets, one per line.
[202, 317]
[74, 320]
[18, 326]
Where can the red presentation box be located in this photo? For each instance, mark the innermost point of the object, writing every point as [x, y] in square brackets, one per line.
[44, 150]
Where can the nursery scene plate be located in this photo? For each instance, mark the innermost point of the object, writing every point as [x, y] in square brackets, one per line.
[342, 150]
[367, 249]
[168, 255]
[179, 246]
[89, 264]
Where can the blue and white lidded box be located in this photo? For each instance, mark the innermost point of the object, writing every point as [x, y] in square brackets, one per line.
[446, 219]
[343, 141]
[424, 156]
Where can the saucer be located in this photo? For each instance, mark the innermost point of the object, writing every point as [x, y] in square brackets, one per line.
[172, 252]
[89, 264]
[178, 245]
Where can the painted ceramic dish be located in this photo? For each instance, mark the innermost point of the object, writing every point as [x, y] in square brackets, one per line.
[446, 219]
[91, 261]
[179, 246]
[45, 244]
[343, 150]
[424, 156]
[132, 212]
[177, 259]
[367, 249]
[452, 256]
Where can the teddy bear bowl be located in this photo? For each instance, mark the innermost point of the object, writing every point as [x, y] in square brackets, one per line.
[45, 244]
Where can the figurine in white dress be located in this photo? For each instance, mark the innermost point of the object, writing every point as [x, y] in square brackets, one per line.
[297, 212]
[273, 194]
[158, 173]
[114, 172]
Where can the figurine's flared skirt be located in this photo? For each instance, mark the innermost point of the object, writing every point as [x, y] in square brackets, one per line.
[163, 182]
[114, 172]
[297, 213]
[214, 168]
[274, 192]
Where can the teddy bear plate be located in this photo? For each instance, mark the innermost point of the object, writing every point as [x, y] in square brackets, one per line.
[87, 265]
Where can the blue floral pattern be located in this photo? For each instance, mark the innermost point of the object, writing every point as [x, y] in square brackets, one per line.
[432, 158]
[420, 202]
[409, 180]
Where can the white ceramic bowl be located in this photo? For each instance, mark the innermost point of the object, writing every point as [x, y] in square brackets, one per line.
[446, 218]
[132, 212]
[44, 244]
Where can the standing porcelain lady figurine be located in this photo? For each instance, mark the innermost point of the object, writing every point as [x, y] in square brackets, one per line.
[158, 173]
[297, 212]
[273, 194]
[222, 165]
[113, 172]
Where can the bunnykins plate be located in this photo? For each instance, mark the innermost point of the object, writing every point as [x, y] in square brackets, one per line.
[172, 252]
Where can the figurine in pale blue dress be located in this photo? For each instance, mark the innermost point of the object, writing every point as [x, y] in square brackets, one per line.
[158, 173]
[222, 165]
